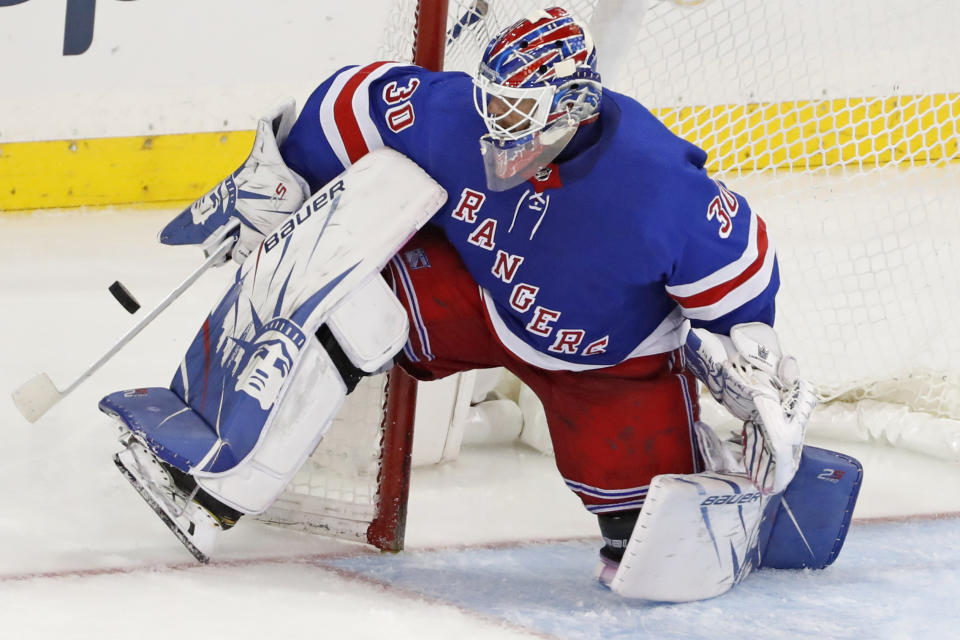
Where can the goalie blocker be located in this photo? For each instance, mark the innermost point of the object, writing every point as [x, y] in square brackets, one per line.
[257, 389]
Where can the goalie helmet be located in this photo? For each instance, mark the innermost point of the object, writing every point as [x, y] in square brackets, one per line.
[536, 83]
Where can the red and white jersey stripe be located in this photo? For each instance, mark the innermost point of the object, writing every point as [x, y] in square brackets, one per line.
[733, 285]
[345, 112]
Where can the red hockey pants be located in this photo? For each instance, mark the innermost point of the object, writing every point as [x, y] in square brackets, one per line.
[613, 429]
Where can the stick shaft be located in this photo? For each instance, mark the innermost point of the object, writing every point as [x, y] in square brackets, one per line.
[214, 258]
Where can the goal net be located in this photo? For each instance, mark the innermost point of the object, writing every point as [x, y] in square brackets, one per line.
[839, 122]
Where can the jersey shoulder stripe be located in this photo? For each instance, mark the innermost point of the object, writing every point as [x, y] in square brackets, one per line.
[345, 112]
[699, 295]
[710, 298]
[727, 272]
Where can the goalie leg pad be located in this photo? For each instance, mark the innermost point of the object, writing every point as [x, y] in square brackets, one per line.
[164, 427]
[811, 523]
[370, 327]
[256, 370]
[696, 537]
[171, 430]
[161, 426]
[312, 397]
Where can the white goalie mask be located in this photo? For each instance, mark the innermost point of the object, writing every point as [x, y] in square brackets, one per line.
[535, 85]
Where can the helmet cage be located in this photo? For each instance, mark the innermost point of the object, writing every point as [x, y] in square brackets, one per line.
[512, 98]
[571, 92]
[536, 83]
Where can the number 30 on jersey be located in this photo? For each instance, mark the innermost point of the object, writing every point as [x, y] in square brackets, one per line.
[724, 208]
[400, 116]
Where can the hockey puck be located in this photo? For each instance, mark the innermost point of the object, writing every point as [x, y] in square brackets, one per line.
[124, 297]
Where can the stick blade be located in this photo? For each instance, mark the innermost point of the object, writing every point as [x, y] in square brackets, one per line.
[36, 396]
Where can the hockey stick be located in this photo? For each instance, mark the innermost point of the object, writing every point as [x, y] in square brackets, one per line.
[37, 395]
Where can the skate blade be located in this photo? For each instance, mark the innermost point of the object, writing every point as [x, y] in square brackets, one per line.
[167, 520]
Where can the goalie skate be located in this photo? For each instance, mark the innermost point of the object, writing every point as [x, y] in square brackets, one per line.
[195, 526]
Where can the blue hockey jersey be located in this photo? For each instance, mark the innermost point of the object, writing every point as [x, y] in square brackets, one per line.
[605, 256]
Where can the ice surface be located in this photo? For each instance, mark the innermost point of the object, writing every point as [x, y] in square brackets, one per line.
[497, 547]
[893, 580]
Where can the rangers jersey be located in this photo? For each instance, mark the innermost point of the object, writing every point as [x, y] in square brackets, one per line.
[608, 254]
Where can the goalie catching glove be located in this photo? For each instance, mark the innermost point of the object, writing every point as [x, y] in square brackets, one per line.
[257, 197]
[748, 374]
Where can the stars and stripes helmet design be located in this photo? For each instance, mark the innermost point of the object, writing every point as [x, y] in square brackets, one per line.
[536, 83]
